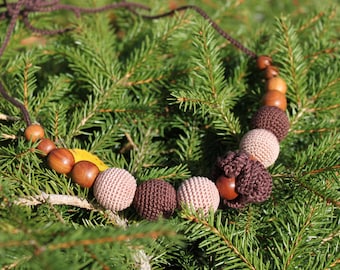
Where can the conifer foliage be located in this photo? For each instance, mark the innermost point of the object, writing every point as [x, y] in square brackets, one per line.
[163, 99]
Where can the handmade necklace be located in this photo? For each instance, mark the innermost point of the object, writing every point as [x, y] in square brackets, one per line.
[239, 178]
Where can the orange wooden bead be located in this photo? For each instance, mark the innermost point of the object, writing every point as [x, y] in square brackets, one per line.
[61, 160]
[271, 72]
[277, 84]
[276, 99]
[226, 187]
[263, 61]
[84, 173]
[34, 132]
[46, 146]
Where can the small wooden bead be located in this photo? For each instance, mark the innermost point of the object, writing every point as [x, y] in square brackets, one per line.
[271, 72]
[263, 61]
[34, 132]
[226, 187]
[276, 99]
[84, 173]
[46, 146]
[61, 160]
[276, 84]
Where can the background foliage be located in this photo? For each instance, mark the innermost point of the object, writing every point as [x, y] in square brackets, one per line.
[163, 99]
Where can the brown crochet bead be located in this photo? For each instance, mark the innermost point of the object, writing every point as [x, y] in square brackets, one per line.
[272, 119]
[34, 132]
[271, 72]
[61, 160]
[253, 181]
[276, 84]
[263, 61]
[276, 99]
[154, 199]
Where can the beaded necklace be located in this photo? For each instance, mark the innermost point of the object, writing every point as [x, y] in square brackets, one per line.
[238, 178]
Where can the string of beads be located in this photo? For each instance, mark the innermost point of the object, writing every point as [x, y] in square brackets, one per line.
[239, 178]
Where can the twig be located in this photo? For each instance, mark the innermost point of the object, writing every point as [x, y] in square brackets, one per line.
[8, 117]
[58, 199]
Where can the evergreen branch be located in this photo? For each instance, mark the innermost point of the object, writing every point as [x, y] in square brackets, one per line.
[295, 61]
[103, 240]
[220, 235]
[320, 130]
[299, 238]
[316, 192]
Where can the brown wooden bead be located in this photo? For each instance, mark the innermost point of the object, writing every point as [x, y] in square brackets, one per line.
[61, 160]
[226, 187]
[276, 99]
[271, 72]
[34, 132]
[84, 173]
[263, 61]
[46, 146]
[276, 84]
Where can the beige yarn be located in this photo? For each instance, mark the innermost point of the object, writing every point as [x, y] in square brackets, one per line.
[198, 193]
[262, 144]
[114, 189]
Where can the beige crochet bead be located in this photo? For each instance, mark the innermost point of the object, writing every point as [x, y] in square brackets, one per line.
[198, 193]
[114, 189]
[261, 144]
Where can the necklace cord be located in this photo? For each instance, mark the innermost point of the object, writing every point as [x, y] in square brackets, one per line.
[24, 7]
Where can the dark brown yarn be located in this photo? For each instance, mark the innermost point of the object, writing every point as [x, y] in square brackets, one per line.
[155, 198]
[253, 181]
[272, 119]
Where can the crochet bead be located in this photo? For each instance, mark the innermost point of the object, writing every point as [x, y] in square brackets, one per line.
[272, 119]
[34, 132]
[263, 61]
[253, 182]
[277, 84]
[198, 193]
[276, 99]
[46, 146]
[226, 187]
[61, 160]
[155, 198]
[114, 189]
[84, 173]
[262, 144]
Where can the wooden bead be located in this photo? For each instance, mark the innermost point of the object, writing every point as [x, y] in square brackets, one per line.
[226, 187]
[61, 160]
[276, 84]
[263, 61]
[84, 173]
[46, 146]
[276, 99]
[34, 132]
[271, 72]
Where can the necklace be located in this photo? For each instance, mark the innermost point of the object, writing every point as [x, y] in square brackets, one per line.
[239, 178]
